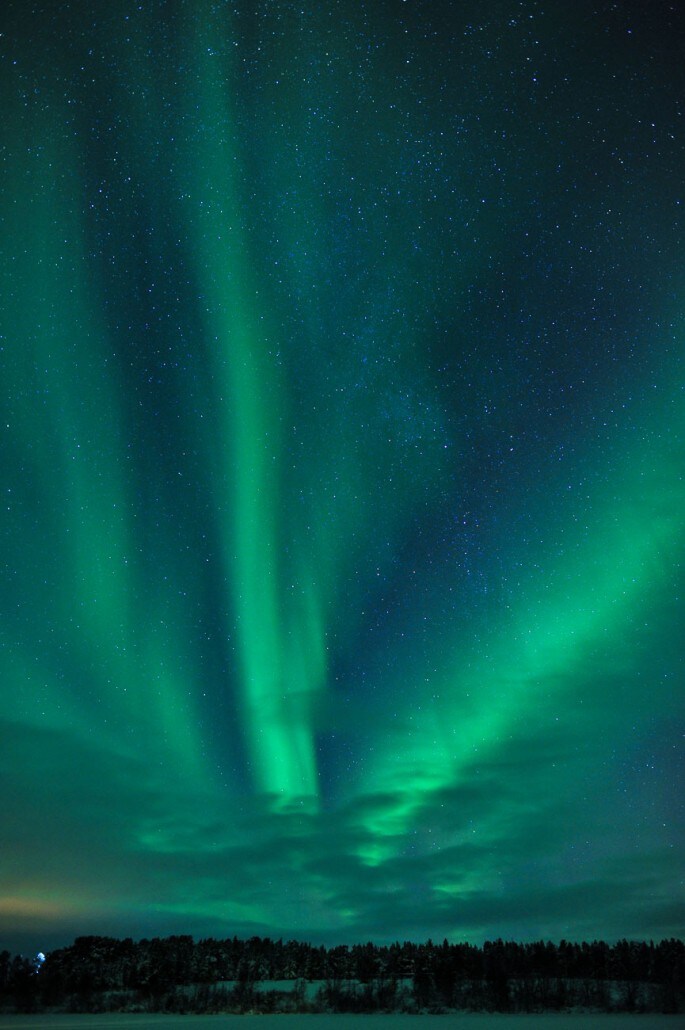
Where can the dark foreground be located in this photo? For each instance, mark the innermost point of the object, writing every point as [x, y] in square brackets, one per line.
[177, 976]
[459, 1021]
[101, 981]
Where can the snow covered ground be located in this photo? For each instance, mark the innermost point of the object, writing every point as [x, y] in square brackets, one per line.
[458, 1021]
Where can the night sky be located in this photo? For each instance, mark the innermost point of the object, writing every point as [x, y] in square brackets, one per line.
[341, 447]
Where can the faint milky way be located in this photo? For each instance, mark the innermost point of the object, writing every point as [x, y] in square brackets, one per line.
[342, 469]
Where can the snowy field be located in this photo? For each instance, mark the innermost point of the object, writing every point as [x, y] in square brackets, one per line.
[467, 1021]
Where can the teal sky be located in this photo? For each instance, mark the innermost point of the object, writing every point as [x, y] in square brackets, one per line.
[341, 467]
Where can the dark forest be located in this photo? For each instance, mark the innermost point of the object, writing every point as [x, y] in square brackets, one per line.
[178, 974]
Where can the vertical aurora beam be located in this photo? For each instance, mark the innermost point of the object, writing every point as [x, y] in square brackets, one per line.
[280, 665]
[301, 358]
[79, 578]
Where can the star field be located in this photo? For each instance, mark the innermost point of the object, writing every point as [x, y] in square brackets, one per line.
[341, 457]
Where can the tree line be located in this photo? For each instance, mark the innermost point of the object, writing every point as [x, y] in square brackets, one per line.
[179, 974]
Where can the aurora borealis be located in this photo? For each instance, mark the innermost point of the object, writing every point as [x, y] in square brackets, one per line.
[343, 509]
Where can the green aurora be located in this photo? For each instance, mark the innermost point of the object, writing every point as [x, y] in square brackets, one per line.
[342, 470]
